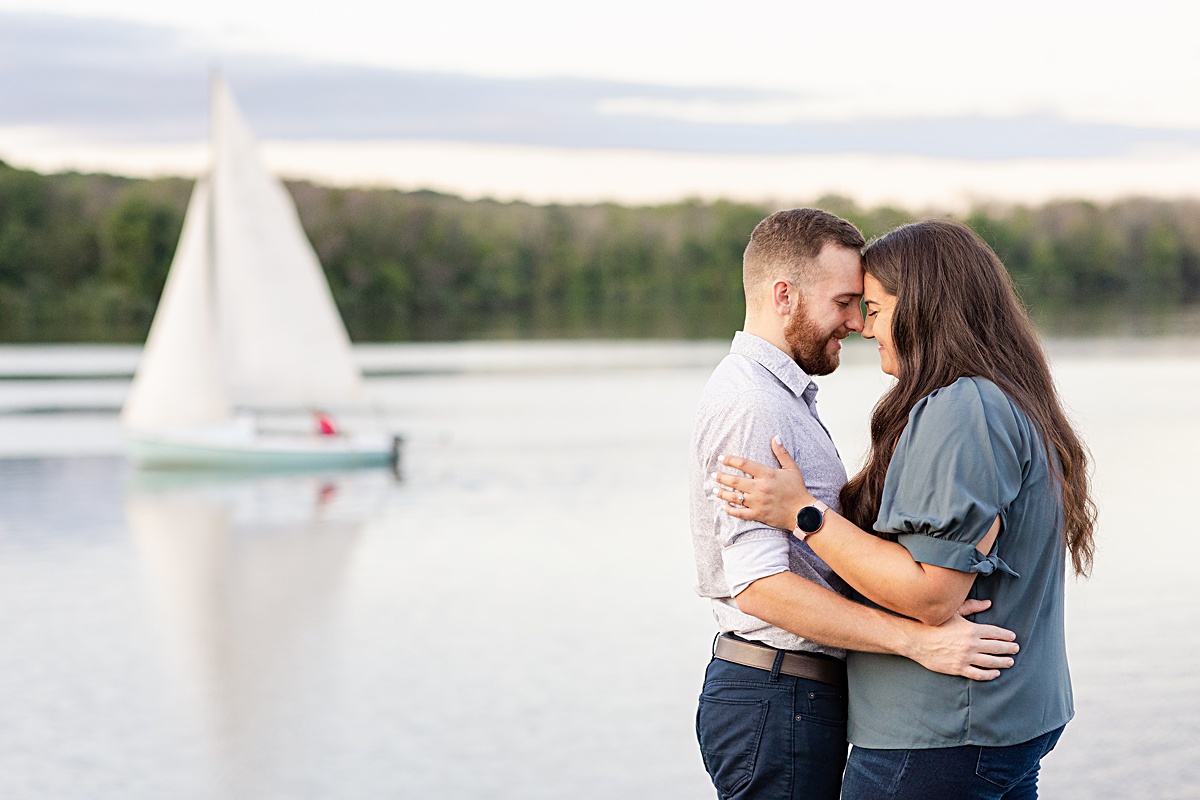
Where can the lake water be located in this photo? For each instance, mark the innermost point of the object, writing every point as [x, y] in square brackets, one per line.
[513, 616]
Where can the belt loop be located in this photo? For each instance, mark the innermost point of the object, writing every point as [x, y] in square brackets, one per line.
[778, 665]
[714, 644]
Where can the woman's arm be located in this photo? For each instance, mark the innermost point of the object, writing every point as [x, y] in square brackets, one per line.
[956, 647]
[881, 570]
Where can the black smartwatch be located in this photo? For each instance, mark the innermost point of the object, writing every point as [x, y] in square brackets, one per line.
[809, 520]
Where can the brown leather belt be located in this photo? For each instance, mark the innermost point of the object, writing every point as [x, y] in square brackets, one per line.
[800, 665]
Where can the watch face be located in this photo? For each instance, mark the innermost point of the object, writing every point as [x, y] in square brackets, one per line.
[809, 519]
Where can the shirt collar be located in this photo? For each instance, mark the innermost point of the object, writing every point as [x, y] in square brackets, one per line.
[777, 362]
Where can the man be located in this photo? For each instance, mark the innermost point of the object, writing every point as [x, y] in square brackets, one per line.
[772, 716]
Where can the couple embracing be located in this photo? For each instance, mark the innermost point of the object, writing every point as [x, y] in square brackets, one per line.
[843, 605]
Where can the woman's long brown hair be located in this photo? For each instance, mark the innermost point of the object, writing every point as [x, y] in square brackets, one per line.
[957, 314]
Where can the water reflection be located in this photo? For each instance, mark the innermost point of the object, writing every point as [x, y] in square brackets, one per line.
[245, 574]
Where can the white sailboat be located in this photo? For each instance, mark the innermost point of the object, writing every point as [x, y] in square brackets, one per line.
[246, 322]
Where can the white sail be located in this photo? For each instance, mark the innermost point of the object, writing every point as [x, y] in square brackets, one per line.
[281, 339]
[178, 382]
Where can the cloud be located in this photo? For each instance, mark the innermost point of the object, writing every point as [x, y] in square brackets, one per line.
[120, 81]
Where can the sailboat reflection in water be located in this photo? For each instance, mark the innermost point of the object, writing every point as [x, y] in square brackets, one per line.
[246, 576]
[246, 326]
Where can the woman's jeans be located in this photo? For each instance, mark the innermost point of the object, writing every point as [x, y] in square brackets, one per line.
[769, 736]
[948, 773]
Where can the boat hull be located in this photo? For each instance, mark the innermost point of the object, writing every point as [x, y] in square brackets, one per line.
[260, 452]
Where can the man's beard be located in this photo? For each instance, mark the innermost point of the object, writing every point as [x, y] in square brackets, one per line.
[809, 344]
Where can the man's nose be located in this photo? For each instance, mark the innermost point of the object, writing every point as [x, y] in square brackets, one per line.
[855, 322]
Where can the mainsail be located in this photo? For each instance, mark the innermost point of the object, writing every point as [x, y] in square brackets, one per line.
[246, 319]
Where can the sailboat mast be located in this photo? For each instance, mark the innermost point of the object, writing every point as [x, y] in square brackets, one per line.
[210, 266]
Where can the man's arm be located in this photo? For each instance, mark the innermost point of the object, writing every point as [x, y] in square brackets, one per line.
[956, 647]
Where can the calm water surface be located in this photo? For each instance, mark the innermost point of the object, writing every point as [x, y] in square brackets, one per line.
[513, 617]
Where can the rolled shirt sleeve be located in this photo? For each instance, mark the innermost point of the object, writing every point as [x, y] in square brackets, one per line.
[747, 560]
[957, 466]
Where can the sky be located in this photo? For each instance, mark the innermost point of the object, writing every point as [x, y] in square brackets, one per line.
[922, 102]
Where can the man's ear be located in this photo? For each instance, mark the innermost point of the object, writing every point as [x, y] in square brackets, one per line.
[784, 297]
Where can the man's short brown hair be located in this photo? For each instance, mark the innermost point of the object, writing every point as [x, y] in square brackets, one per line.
[787, 244]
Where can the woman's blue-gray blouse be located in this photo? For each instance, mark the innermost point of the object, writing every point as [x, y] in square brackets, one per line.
[968, 455]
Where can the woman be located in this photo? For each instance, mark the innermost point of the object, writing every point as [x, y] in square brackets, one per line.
[975, 486]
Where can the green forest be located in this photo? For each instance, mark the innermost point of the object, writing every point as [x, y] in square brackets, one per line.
[83, 258]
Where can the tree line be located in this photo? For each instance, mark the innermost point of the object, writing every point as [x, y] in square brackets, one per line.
[83, 258]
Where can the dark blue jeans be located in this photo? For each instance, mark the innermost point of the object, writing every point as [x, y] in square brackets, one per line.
[948, 773]
[767, 736]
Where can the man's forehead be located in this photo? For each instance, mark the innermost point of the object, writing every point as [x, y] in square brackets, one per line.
[837, 265]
